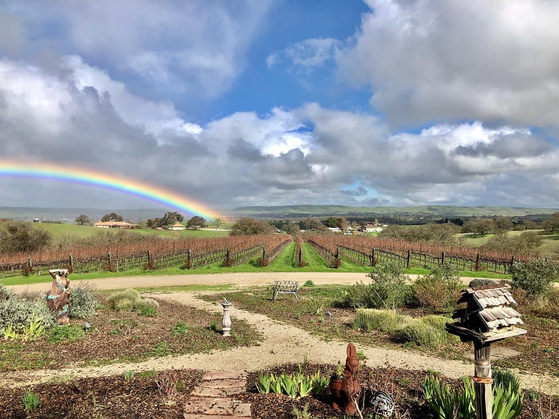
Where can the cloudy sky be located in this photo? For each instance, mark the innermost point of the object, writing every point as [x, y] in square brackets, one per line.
[264, 102]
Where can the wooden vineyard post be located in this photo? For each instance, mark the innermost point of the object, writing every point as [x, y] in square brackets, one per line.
[263, 253]
[300, 257]
[483, 383]
[71, 262]
[442, 258]
[109, 267]
[116, 263]
[477, 262]
[188, 259]
[373, 257]
[511, 263]
[227, 258]
[408, 259]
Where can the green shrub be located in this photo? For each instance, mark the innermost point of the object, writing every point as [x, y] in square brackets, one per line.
[422, 334]
[439, 289]
[384, 320]
[83, 301]
[5, 293]
[309, 283]
[535, 277]
[69, 333]
[386, 291]
[130, 300]
[128, 375]
[30, 401]
[18, 314]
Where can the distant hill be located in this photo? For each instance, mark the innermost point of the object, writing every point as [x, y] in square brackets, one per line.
[342, 210]
[60, 214]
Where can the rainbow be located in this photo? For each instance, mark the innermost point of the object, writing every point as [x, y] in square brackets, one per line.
[106, 181]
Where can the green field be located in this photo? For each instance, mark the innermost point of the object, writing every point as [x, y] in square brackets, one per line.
[61, 230]
[549, 247]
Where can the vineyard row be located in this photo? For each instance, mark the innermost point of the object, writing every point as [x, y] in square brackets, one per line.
[232, 251]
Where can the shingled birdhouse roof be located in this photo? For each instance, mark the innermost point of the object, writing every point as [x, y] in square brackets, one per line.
[488, 316]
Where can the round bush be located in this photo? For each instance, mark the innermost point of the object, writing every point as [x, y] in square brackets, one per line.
[18, 313]
[83, 302]
[129, 300]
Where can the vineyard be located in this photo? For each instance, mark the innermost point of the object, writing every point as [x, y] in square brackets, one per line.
[368, 251]
[152, 254]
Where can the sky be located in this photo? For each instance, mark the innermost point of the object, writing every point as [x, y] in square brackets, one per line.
[283, 102]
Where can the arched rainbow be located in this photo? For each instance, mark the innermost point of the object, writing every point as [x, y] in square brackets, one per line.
[107, 181]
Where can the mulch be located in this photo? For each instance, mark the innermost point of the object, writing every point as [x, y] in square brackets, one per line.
[104, 397]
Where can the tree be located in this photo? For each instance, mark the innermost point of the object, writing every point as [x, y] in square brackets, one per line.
[217, 222]
[82, 220]
[481, 227]
[552, 223]
[331, 222]
[502, 224]
[22, 237]
[170, 218]
[196, 222]
[248, 225]
[113, 216]
[291, 228]
[312, 223]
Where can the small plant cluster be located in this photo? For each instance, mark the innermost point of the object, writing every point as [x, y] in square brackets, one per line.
[30, 401]
[130, 300]
[439, 290]
[460, 402]
[83, 302]
[386, 290]
[425, 331]
[23, 319]
[67, 333]
[293, 385]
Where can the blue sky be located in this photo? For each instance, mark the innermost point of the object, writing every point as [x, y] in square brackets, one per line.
[256, 102]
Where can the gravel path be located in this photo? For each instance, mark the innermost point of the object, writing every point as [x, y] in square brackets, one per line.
[241, 279]
[283, 344]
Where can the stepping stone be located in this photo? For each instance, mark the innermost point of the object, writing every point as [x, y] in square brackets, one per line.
[202, 391]
[217, 407]
[201, 416]
[223, 384]
[225, 375]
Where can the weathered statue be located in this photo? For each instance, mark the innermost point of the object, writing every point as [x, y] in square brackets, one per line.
[348, 393]
[58, 298]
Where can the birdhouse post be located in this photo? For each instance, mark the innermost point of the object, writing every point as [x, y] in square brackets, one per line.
[488, 317]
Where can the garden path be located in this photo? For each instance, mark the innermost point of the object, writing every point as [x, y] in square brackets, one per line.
[241, 279]
[283, 343]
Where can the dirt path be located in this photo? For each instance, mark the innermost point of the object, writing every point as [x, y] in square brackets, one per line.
[283, 344]
[241, 279]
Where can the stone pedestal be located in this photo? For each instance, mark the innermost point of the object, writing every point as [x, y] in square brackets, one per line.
[226, 318]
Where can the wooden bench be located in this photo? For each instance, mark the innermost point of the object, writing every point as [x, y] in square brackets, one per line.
[285, 287]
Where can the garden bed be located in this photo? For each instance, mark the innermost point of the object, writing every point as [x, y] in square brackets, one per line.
[141, 396]
[126, 336]
[320, 313]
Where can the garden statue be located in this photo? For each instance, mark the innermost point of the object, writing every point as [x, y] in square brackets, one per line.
[58, 298]
[226, 318]
[346, 389]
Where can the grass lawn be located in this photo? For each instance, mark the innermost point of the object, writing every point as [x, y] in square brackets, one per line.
[549, 247]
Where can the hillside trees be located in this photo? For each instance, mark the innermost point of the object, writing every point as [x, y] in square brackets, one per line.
[480, 227]
[22, 237]
[248, 225]
[113, 216]
[82, 220]
[552, 223]
[196, 222]
[443, 234]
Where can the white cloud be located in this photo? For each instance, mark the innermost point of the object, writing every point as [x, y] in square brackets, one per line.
[487, 60]
[305, 56]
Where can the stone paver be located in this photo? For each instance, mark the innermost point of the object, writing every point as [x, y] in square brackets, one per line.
[210, 400]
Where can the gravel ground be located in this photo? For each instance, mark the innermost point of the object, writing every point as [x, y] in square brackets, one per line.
[241, 279]
[283, 344]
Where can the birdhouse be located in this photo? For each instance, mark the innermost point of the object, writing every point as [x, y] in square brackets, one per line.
[488, 316]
